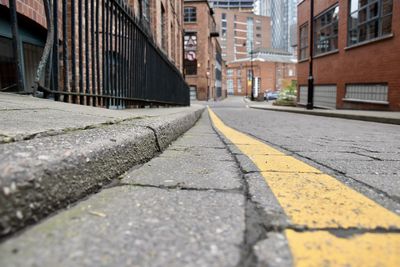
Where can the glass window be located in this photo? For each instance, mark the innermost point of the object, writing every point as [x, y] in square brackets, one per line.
[369, 19]
[239, 85]
[229, 72]
[8, 68]
[326, 31]
[190, 14]
[303, 42]
[223, 16]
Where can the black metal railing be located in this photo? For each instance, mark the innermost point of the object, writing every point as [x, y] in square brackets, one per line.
[101, 55]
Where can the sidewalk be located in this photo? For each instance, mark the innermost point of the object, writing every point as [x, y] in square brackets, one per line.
[53, 154]
[363, 115]
[186, 207]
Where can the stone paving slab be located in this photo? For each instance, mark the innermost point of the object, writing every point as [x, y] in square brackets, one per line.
[190, 162]
[144, 221]
[23, 117]
[136, 226]
[188, 172]
[45, 173]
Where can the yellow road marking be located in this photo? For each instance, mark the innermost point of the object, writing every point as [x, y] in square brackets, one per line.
[321, 248]
[316, 200]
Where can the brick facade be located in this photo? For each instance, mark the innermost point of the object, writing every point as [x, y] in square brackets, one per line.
[273, 76]
[32, 9]
[204, 26]
[372, 62]
[233, 39]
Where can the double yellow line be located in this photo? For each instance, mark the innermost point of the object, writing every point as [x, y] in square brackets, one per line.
[321, 203]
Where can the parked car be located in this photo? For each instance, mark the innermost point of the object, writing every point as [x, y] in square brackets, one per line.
[271, 95]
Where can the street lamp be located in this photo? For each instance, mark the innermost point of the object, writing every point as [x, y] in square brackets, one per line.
[208, 89]
[252, 71]
[310, 93]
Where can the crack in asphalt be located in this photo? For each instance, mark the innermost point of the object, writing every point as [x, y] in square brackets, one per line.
[254, 218]
[177, 186]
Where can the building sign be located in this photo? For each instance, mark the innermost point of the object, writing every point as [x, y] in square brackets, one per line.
[190, 42]
[191, 55]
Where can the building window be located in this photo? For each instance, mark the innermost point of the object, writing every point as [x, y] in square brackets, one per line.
[258, 28]
[326, 31]
[163, 29]
[190, 14]
[223, 16]
[229, 72]
[223, 24]
[146, 10]
[369, 20]
[223, 33]
[373, 93]
[239, 85]
[229, 85]
[190, 46]
[258, 35]
[8, 68]
[303, 42]
[249, 35]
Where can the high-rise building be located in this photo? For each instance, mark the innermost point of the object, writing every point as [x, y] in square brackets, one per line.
[241, 32]
[262, 8]
[283, 17]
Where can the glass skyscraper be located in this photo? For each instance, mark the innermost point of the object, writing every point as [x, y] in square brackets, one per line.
[283, 17]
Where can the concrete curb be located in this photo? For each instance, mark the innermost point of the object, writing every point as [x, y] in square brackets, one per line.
[42, 175]
[359, 117]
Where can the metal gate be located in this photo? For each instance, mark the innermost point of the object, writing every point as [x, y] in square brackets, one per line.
[324, 96]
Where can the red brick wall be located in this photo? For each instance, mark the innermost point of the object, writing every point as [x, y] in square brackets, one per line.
[32, 9]
[205, 53]
[267, 71]
[376, 62]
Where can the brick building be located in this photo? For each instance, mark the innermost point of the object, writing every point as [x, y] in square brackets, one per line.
[203, 59]
[356, 53]
[241, 32]
[272, 70]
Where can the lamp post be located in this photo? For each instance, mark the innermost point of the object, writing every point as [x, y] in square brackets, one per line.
[252, 71]
[310, 93]
[208, 89]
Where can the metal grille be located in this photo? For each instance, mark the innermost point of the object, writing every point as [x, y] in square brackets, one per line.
[324, 96]
[98, 53]
[367, 93]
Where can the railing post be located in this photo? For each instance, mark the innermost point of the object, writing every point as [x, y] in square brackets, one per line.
[17, 45]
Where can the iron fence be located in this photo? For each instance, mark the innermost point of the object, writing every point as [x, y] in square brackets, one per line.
[98, 53]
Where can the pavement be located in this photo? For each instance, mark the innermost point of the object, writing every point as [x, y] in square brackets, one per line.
[362, 115]
[242, 187]
[53, 154]
[186, 207]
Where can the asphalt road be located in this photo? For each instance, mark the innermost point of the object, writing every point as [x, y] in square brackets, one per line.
[364, 155]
